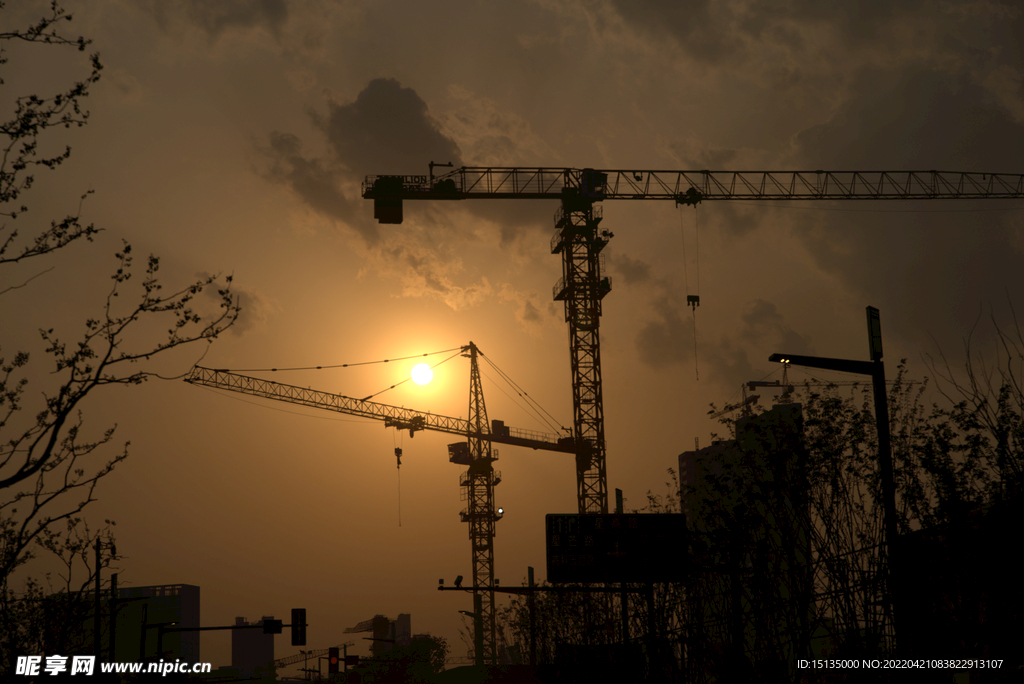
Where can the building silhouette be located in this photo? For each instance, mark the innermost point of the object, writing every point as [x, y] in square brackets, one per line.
[751, 589]
[252, 651]
[141, 613]
[139, 634]
[387, 633]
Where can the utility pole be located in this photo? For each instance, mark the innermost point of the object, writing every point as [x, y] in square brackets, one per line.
[142, 635]
[113, 614]
[98, 611]
[478, 628]
[531, 601]
[623, 596]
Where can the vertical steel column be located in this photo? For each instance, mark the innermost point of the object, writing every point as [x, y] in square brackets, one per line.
[582, 288]
[479, 482]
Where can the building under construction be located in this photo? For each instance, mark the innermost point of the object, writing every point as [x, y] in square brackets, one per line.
[387, 634]
[750, 595]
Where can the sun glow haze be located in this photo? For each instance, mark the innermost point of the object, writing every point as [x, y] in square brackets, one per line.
[422, 374]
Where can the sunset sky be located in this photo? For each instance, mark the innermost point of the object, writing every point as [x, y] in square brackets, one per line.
[232, 137]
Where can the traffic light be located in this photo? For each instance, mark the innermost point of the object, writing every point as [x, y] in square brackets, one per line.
[298, 626]
[273, 626]
[332, 660]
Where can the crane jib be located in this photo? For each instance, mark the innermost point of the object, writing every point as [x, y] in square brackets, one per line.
[554, 183]
[393, 416]
[683, 187]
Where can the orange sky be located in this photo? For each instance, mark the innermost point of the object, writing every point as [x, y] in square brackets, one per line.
[233, 137]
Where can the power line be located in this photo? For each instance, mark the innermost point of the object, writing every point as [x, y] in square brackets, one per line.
[339, 365]
[528, 408]
[519, 390]
[457, 352]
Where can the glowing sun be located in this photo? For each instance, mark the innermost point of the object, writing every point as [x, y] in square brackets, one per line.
[421, 374]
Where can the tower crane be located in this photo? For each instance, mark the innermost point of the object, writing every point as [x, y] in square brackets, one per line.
[579, 240]
[743, 406]
[478, 482]
[304, 656]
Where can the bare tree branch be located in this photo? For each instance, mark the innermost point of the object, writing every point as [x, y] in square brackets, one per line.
[50, 466]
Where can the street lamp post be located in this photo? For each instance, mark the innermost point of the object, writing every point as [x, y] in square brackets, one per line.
[876, 369]
[478, 626]
[161, 628]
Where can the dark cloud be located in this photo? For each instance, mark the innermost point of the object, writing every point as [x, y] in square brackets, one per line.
[729, 363]
[762, 321]
[386, 130]
[920, 118]
[941, 263]
[730, 32]
[703, 157]
[531, 313]
[669, 341]
[424, 267]
[699, 26]
[930, 272]
[317, 183]
[516, 219]
[217, 16]
[631, 270]
[254, 308]
[909, 85]
[860, 21]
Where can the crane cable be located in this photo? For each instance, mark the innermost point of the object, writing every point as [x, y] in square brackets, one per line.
[398, 456]
[339, 365]
[527, 408]
[367, 398]
[532, 403]
[692, 300]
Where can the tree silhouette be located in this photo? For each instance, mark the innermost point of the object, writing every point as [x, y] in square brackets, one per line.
[415, 663]
[746, 584]
[50, 464]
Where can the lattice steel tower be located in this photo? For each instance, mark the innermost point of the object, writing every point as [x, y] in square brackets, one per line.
[582, 287]
[478, 483]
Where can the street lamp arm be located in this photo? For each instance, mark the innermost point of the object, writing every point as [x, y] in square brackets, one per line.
[844, 365]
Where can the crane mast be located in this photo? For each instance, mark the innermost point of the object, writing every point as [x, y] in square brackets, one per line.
[478, 484]
[582, 287]
[578, 239]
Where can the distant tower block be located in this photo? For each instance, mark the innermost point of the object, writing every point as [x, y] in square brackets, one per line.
[252, 651]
